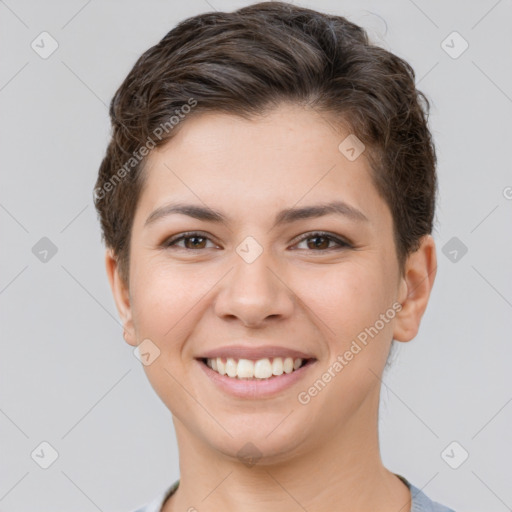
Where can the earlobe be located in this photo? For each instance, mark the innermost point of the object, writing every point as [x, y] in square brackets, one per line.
[415, 288]
[121, 296]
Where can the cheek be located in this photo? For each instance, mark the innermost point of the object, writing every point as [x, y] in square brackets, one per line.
[166, 300]
[165, 304]
[346, 298]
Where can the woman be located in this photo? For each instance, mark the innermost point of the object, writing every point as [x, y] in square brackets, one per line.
[267, 201]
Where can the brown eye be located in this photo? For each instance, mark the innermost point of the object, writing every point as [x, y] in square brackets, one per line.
[192, 241]
[321, 241]
[195, 242]
[317, 242]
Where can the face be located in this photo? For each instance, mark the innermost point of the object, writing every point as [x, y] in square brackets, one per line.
[260, 278]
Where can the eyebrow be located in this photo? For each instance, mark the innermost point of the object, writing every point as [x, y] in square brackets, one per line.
[285, 216]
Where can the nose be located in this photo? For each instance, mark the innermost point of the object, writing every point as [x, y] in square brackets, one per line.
[254, 293]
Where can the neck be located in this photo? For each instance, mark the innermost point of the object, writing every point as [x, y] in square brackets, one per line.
[341, 471]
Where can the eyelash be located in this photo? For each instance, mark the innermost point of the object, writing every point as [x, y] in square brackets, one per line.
[342, 244]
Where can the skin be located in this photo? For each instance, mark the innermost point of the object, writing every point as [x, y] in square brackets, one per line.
[188, 300]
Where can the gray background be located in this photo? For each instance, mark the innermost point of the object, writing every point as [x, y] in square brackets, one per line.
[66, 375]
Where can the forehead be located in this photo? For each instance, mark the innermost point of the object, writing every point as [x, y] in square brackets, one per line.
[290, 156]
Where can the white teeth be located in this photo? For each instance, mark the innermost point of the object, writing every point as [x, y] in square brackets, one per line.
[231, 367]
[277, 366]
[260, 369]
[245, 369]
[288, 365]
[221, 367]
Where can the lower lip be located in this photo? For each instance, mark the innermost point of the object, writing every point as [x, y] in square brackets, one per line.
[256, 388]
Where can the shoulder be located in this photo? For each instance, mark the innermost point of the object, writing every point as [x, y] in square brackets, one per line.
[420, 502]
[156, 504]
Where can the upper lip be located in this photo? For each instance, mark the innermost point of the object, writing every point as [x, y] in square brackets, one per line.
[245, 352]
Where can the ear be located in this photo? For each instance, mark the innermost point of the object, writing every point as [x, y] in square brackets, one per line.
[419, 274]
[121, 295]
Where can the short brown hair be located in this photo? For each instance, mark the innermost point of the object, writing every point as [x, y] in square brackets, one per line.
[248, 62]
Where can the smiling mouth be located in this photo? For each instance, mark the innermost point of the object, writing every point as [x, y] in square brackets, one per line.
[261, 369]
